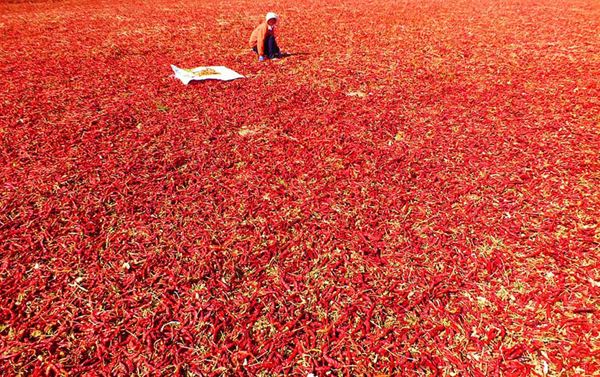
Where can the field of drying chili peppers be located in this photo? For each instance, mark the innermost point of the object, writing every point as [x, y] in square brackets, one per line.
[413, 192]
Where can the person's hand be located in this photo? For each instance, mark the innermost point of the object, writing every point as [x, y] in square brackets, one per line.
[261, 58]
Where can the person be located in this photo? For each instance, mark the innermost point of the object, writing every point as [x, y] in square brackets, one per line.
[262, 40]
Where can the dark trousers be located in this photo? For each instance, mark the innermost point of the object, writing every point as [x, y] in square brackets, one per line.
[271, 48]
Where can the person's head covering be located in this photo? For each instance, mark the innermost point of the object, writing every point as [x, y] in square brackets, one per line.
[271, 16]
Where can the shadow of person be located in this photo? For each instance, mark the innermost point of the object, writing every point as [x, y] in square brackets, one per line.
[290, 54]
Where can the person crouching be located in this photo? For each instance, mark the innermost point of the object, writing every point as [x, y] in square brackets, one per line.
[262, 40]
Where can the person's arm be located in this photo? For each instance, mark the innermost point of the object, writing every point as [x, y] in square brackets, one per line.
[260, 40]
[251, 40]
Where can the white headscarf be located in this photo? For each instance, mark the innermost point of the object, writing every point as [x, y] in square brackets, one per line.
[271, 15]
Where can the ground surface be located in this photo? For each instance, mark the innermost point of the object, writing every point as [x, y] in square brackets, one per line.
[415, 191]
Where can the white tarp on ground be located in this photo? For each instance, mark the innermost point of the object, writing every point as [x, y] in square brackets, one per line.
[205, 73]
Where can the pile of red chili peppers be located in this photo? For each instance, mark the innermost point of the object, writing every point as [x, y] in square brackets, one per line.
[414, 191]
